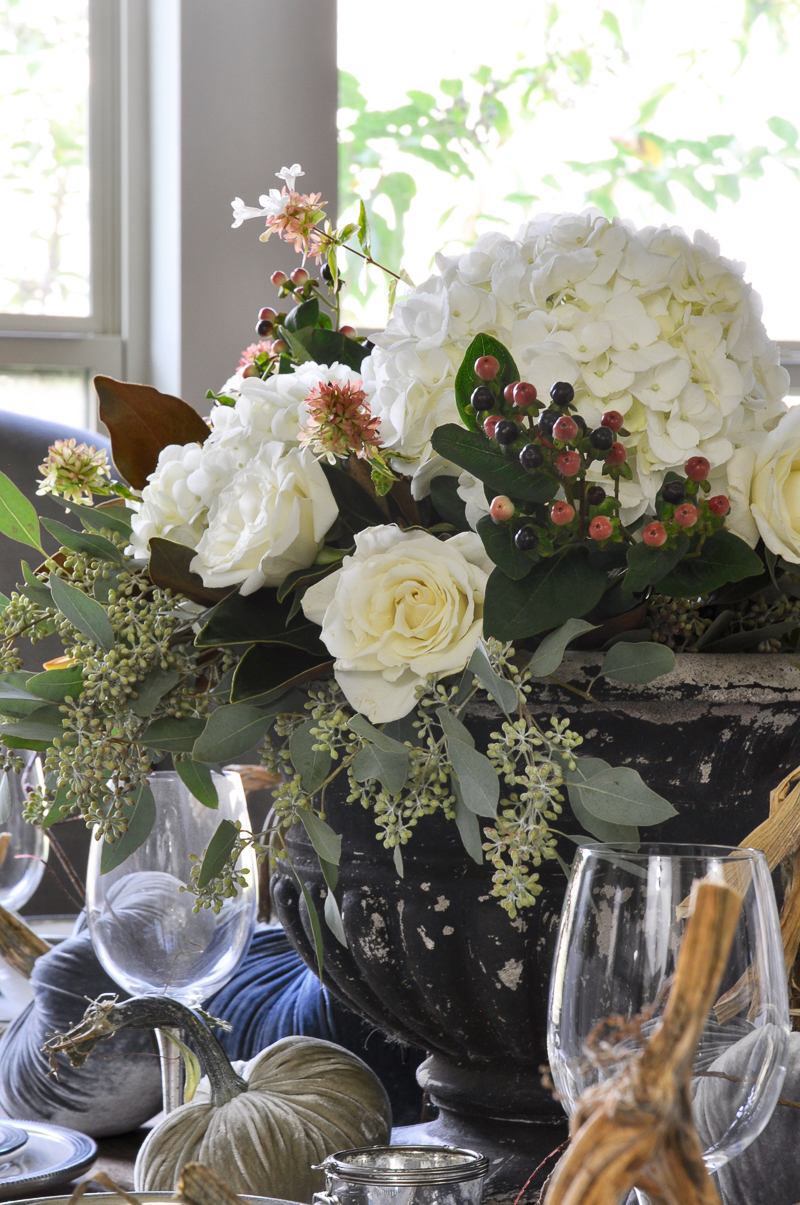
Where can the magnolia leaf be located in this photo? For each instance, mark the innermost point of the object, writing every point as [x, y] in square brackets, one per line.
[453, 728]
[327, 843]
[218, 852]
[89, 543]
[141, 818]
[142, 422]
[18, 519]
[469, 828]
[267, 668]
[560, 587]
[397, 858]
[230, 732]
[724, 558]
[56, 685]
[169, 569]
[6, 797]
[600, 829]
[638, 663]
[258, 619]
[448, 504]
[83, 612]
[742, 642]
[169, 734]
[550, 652]
[151, 690]
[500, 689]
[618, 794]
[389, 766]
[477, 778]
[197, 778]
[356, 507]
[313, 765]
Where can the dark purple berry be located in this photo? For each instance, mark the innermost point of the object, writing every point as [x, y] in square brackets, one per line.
[526, 539]
[506, 432]
[263, 327]
[595, 495]
[531, 456]
[562, 393]
[482, 398]
[601, 438]
[674, 492]
[327, 275]
[581, 423]
[547, 420]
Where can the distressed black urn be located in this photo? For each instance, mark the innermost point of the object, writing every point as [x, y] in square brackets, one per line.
[434, 960]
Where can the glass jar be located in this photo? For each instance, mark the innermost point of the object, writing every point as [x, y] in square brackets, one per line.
[403, 1175]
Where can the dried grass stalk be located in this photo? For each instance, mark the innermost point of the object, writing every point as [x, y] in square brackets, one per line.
[19, 945]
[637, 1130]
[198, 1185]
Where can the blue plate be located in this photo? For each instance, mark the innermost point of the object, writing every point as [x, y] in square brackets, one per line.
[50, 1155]
[11, 1139]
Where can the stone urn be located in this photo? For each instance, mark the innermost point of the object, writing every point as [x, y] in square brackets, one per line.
[433, 959]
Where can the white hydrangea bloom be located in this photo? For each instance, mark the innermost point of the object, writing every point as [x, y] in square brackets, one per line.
[651, 323]
[170, 506]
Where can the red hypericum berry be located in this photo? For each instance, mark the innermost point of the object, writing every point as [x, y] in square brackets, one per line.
[561, 513]
[486, 367]
[719, 504]
[685, 515]
[299, 276]
[490, 423]
[251, 371]
[568, 463]
[600, 528]
[508, 392]
[611, 419]
[279, 278]
[565, 429]
[502, 509]
[349, 331]
[697, 467]
[280, 346]
[617, 454]
[524, 394]
[266, 313]
[654, 535]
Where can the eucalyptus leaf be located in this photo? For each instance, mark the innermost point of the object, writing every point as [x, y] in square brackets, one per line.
[4, 601]
[469, 828]
[316, 928]
[56, 685]
[61, 807]
[141, 818]
[333, 918]
[90, 543]
[197, 778]
[326, 842]
[743, 642]
[231, 731]
[478, 783]
[496, 687]
[550, 652]
[43, 724]
[602, 830]
[397, 858]
[83, 612]
[18, 519]
[453, 728]
[618, 794]
[637, 663]
[218, 852]
[169, 734]
[388, 766]
[6, 797]
[109, 516]
[362, 727]
[313, 765]
[151, 690]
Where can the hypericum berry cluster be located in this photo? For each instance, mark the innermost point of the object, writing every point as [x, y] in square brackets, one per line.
[683, 507]
[553, 440]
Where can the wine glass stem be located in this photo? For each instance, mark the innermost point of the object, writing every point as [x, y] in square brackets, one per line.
[172, 1072]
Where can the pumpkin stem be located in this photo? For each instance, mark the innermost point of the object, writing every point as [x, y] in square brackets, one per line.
[106, 1015]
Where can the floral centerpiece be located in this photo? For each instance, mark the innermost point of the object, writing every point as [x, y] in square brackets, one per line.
[574, 434]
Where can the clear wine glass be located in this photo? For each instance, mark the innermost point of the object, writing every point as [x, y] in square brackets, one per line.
[621, 927]
[144, 929]
[24, 850]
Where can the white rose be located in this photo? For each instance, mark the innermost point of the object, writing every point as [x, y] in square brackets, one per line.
[170, 508]
[740, 478]
[405, 605]
[775, 488]
[270, 520]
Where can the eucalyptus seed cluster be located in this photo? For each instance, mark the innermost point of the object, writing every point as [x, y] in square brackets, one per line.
[758, 613]
[677, 622]
[226, 884]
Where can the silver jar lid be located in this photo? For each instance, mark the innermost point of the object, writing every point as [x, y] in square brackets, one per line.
[405, 1165]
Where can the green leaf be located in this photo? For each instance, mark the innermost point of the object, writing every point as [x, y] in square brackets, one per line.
[498, 540]
[451, 508]
[647, 565]
[618, 794]
[169, 568]
[331, 347]
[83, 612]
[326, 842]
[151, 690]
[142, 422]
[473, 451]
[43, 724]
[169, 734]
[466, 380]
[191, 1063]
[453, 728]
[742, 642]
[56, 684]
[141, 817]
[305, 314]
[637, 663]
[586, 767]
[356, 507]
[6, 797]
[35, 588]
[784, 129]
[108, 516]
[361, 725]
[468, 826]
[499, 689]
[218, 852]
[61, 807]
[230, 732]
[89, 543]
[550, 652]
[266, 669]
[333, 918]
[724, 558]
[258, 619]
[558, 588]
[17, 516]
[4, 601]
[389, 767]
[316, 928]
[312, 765]
[477, 778]
[197, 779]
[397, 858]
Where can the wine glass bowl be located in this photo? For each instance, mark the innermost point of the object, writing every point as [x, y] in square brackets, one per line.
[625, 911]
[24, 848]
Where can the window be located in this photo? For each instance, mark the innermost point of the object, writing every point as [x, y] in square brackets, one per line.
[687, 115]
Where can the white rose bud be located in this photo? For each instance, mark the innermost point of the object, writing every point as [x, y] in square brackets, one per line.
[405, 605]
[270, 520]
[775, 489]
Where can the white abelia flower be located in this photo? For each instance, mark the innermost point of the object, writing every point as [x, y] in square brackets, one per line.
[652, 323]
[403, 606]
[271, 519]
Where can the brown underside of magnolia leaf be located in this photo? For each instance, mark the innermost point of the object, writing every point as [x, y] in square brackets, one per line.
[141, 422]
